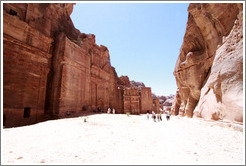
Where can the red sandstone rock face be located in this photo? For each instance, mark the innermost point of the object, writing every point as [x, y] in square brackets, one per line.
[125, 81]
[136, 98]
[26, 64]
[212, 45]
[51, 69]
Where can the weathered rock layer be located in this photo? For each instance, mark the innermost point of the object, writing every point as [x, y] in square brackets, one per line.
[209, 69]
[51, 70]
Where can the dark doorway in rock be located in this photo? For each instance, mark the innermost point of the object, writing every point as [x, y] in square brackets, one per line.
[12, 12]
[4, 120]
[27, 111]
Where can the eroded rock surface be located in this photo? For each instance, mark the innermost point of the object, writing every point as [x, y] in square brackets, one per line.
[209, 69]
[51, 70]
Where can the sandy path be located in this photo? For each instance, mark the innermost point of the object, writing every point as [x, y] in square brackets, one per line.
[118, 139]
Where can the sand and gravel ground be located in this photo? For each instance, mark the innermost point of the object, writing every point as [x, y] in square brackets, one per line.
[119, 139]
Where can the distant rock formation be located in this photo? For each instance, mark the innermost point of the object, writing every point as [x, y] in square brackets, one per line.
[124, 80]
[166, 100]
[137, 84]
[209, 69]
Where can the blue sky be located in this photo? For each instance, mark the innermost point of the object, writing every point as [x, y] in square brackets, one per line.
[143, 39]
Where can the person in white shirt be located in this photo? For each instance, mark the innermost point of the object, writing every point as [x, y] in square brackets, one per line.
[153, 115]
[109, 110]
[148, 114]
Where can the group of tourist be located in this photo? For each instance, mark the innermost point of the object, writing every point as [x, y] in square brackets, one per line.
[109, 111]
[158, 116]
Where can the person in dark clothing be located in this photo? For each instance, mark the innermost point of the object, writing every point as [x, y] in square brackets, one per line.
[154, 116]
[168, 115]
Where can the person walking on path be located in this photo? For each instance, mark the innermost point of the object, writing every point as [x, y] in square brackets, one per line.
[148, 114]
[153, 116]
[158, 117]
[109, 110]
[168, 115]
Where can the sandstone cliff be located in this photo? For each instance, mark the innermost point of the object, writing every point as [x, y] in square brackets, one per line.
[209, 69]
[125, 81]
[50, 68]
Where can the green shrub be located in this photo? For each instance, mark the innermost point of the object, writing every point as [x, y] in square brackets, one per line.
[128, 113]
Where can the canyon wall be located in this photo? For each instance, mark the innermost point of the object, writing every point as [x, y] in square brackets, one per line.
[51, 70]
[26, 64]
[209, 69]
